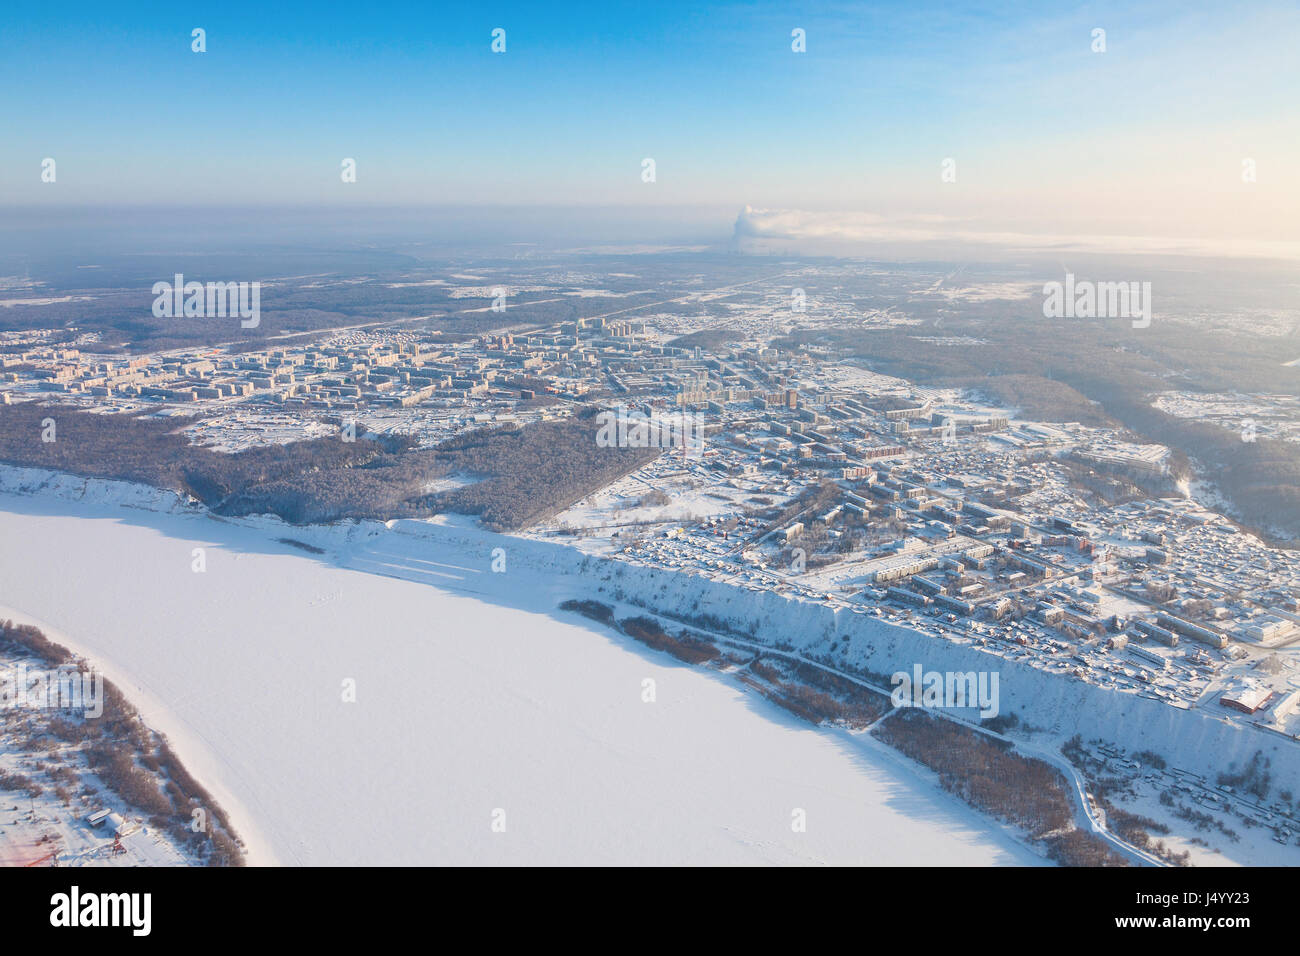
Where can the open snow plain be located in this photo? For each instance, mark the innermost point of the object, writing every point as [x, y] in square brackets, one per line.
[474, 694]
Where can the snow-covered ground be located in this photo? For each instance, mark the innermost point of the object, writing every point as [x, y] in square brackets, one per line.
[473, 695]
[32, 827]
[43, 818]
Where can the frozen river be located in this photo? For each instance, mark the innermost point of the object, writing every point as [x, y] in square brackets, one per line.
[473, 696]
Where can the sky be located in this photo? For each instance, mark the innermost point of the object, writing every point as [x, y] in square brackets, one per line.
[1045, 135]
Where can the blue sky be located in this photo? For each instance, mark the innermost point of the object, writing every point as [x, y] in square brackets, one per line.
[1042, 129]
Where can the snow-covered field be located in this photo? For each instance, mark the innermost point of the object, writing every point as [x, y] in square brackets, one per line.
[473, 695]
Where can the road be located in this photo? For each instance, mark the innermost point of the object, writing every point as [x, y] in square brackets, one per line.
[1090, 818]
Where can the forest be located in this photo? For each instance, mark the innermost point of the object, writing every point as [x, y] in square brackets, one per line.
[993, 778]
[523, 474]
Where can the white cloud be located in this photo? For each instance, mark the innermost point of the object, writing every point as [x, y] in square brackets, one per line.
[850, 228]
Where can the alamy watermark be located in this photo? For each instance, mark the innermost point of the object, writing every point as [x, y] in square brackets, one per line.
[1098, 300]
[61, 689]
[198, 300]
[622, 427]
[946, 689]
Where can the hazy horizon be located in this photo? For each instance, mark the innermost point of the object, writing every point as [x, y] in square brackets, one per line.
[896, 125]
[72, 234]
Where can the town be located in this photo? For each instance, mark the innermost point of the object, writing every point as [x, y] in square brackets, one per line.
[1072, 548]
